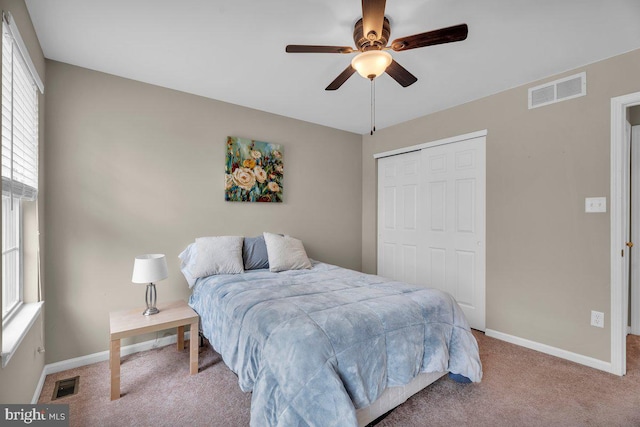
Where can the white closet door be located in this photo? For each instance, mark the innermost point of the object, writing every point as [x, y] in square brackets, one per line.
[453, 201]
[431, 221]
[398, 189]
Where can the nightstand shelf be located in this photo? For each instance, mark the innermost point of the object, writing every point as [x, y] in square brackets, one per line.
[129, 323]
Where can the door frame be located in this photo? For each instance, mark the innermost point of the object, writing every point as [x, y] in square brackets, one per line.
[443, 141]
[619, 206]
[634, 231]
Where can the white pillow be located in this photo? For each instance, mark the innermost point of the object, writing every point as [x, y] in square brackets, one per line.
[285, 253]
[187, 262]
[218, 255]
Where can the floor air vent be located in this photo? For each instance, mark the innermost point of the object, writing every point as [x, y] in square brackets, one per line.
[558, 90]
[66, 387]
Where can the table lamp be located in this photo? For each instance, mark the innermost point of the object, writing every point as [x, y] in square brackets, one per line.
[150, 268]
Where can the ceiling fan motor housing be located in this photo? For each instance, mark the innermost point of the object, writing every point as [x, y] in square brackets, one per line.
[363, 43]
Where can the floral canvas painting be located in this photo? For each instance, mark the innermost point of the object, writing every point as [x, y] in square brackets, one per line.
[254, 171]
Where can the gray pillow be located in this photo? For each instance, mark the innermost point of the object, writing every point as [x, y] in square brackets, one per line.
[254, 253]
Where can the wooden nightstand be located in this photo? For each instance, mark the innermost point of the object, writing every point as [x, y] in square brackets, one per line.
[128, 323]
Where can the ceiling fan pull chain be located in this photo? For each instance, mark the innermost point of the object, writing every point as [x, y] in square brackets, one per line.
[373, 106]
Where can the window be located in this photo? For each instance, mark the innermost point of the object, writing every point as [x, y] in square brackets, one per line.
[19, 158]
[19, 165]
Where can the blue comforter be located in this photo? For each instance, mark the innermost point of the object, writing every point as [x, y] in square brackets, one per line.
[315, 344]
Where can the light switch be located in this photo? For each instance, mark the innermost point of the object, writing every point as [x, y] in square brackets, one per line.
[595, 204]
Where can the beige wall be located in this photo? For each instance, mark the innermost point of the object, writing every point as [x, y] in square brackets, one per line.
[133, 168]
[18, 380]
[547, 261]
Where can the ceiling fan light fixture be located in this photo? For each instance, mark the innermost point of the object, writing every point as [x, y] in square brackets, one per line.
[372, 63]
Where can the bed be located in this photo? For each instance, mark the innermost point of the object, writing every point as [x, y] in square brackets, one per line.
[330, 346]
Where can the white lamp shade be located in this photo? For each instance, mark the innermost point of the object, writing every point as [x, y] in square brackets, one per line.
[371, 63]
[150, 268]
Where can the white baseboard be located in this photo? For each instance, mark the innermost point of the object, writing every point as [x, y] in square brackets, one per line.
[76, 362]
[553, 351]
[36, 394]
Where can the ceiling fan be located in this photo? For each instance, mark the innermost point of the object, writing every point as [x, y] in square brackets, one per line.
[371, 34]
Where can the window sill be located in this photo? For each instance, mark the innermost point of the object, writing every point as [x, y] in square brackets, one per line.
[14, 331]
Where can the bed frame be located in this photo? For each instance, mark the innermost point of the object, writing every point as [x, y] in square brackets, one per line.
[390, 398]
[394, 396]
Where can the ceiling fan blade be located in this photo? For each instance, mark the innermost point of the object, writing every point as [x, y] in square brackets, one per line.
[400, 74]
[372, 18]
[343, 77]
[301, 48]
[430, 38]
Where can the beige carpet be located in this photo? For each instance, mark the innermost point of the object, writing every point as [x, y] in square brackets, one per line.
[520, 387]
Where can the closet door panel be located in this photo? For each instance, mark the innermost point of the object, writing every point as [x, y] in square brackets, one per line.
[453, 183]
[398, 203]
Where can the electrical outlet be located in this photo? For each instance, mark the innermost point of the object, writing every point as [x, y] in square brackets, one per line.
[597, 319]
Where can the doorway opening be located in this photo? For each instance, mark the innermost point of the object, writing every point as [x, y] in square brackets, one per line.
[620, 220]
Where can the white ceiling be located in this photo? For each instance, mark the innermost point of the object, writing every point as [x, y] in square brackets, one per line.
[233, 51]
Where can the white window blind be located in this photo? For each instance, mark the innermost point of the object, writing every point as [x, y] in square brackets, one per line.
[19, 118]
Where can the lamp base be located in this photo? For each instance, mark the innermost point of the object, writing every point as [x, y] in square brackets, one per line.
[150, 299]
[151, 310]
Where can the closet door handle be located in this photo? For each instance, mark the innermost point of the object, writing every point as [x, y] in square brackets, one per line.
[630, 244]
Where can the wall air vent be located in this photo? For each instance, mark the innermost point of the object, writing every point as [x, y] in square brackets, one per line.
[558, 90]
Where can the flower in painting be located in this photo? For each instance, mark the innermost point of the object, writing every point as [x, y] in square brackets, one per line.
[260, 174]
[228, 181]
[273, 186]
[279, 168]
[277, 154]
[249, 163]
[256, 154]
[244, 178]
